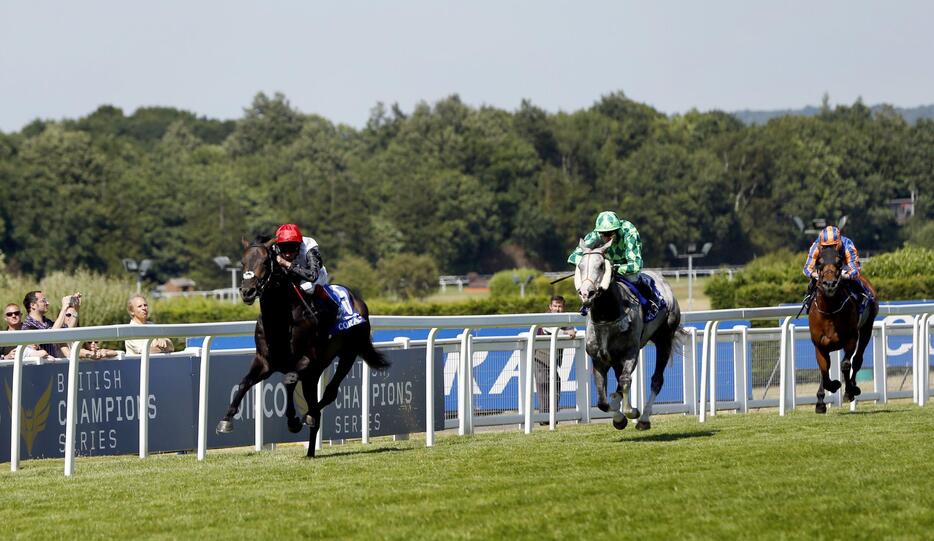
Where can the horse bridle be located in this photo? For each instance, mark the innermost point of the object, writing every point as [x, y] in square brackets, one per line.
[604, 281]
[837, 264]
[262, 282]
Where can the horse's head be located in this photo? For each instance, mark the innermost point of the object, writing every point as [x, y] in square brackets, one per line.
[829, 267]
[258, 264]
[594, 273]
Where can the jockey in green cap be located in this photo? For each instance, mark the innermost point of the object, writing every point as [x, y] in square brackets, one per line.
[625, 254]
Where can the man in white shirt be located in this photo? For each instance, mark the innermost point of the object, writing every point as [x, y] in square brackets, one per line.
[138, 308]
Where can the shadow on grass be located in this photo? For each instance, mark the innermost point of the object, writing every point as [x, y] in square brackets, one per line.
[869, 412]
[339, 454]
[676, 436]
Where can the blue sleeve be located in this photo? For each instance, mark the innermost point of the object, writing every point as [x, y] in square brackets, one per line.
[851, 256]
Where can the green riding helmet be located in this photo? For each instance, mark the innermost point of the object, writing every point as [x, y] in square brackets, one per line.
[607, 222]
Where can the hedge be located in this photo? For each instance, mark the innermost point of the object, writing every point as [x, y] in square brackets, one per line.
[530, 304]
[906, 274]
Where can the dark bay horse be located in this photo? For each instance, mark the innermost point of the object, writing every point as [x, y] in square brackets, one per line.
[295, 343]
[835, 323]
[616, 333]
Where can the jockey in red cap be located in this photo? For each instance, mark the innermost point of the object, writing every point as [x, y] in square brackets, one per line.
[300, 258]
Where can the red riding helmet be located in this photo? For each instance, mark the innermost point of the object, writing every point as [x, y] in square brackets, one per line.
[288, 233]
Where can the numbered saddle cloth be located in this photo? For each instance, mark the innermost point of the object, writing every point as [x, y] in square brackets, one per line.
[347, 315]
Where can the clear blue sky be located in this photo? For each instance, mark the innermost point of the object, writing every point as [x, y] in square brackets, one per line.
[337, 59]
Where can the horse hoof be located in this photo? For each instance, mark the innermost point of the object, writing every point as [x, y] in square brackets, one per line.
[634, 413]
[310, 421]
[616, 400]
[833, 386]
[290, 378]
[619, 421]
[643, 425]
[820, 408]
[224, 427]
[295, 425]
[603, 406]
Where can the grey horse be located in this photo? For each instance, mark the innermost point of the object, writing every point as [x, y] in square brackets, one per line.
[616, 333]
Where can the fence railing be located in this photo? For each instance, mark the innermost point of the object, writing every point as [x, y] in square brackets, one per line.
[703, 394]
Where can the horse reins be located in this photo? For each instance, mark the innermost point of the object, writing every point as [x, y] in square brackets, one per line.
[263, 282]
[842, 305]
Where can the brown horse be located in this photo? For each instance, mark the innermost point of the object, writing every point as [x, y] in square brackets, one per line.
[290, 342]
[836, 323]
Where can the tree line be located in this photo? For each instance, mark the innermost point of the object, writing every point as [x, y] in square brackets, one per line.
[472, 188]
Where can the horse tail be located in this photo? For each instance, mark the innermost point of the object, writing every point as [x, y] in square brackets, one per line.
[373, 358]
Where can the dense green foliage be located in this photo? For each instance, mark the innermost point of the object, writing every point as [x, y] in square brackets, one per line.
[503, 284]
[474, 189]
[103, 301]
[530, 304]
[202, 310]
[905, 274]
[803, 476]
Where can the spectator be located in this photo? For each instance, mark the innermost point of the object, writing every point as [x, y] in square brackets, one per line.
[93, 349]
[14, 322]
[542, 368]
[37, 305]
[138, 308]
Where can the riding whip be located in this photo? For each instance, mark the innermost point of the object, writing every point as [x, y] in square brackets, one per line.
[561, 279]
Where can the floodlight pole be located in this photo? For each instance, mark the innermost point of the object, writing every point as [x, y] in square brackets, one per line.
[233, 284]
[690, 255]
[224, 263]
[139, 269]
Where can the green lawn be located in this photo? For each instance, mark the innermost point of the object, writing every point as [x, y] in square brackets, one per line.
[867, 475]
[680, 289]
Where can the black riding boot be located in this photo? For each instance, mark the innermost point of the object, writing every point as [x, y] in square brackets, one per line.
[653, 303]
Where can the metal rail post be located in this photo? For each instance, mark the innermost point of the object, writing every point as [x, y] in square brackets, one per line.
[553, 400]
[741, 368]
[582, 373]
[465, 389]
[364, 405]
[712, 360]
[203, 397]
[880, 363]
[529, 357]
[689, 370]
[705, 362]
[924, 366]
[430, 388]
[783, 365]
[144, 400]
[16, 407]
[259, 416]
[71, 412]
[319, 392]
[915, 357]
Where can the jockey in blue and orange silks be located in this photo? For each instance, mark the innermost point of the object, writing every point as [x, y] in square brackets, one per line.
[830, 236]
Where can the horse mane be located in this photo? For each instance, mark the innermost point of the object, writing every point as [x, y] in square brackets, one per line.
[261, 239]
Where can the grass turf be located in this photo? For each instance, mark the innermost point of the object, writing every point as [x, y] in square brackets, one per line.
[866, 475]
